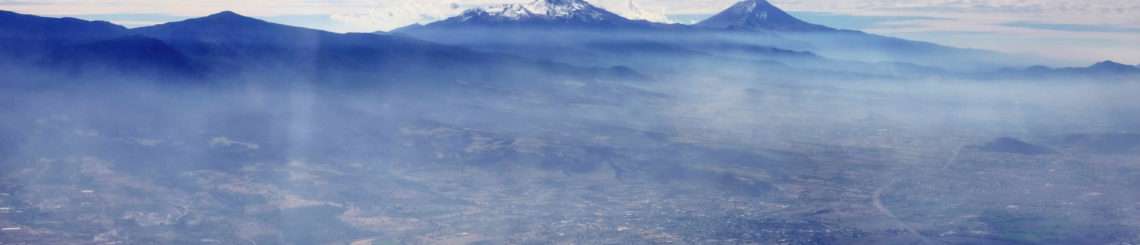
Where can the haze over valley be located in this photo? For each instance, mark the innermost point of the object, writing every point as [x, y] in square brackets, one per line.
[554, 122]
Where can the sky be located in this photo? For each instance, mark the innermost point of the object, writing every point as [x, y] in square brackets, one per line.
[1072, 32]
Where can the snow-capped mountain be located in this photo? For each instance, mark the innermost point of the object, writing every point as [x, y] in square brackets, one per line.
[544, 13]
[634, 11]
[544, 9]
[758, 15]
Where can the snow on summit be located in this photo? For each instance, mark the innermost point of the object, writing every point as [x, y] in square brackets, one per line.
[546, 9]
[551, 8]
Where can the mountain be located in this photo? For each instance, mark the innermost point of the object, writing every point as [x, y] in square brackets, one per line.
[1104, 71]
[229, 43]
[539, 14]
[230, 27]
[1109, 66]
[758, 15]
[1013, 146]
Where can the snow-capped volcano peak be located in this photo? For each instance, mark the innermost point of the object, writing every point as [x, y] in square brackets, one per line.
[542, 9]
[550, 8]
[542, 14]
[758, 15]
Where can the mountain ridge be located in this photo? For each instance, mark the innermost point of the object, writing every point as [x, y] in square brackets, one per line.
[1101, 70]
[228, 26]
[225, 36]
[227, 45]
[67, 28]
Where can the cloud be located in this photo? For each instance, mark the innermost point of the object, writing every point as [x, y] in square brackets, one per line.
[227, 142]
[1069, 45]
[1072, 27]
[860, 22]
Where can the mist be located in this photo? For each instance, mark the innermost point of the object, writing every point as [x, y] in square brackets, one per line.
[582, 136]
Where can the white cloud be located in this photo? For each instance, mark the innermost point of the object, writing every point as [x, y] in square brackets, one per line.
[227, 142]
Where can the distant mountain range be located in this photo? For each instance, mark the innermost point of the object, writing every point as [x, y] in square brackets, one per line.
[749, 15]
[752, 15]
[229, 46]
[541, 14]
[511, 42]
[1099, 70]
[750, 22]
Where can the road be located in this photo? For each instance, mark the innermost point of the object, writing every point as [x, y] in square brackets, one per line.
[877, 199]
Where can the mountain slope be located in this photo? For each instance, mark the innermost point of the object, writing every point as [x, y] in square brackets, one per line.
[230, 27]
[21, 26]
[130, 55]
[34, 48]
[28, 37]
[758, 15]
